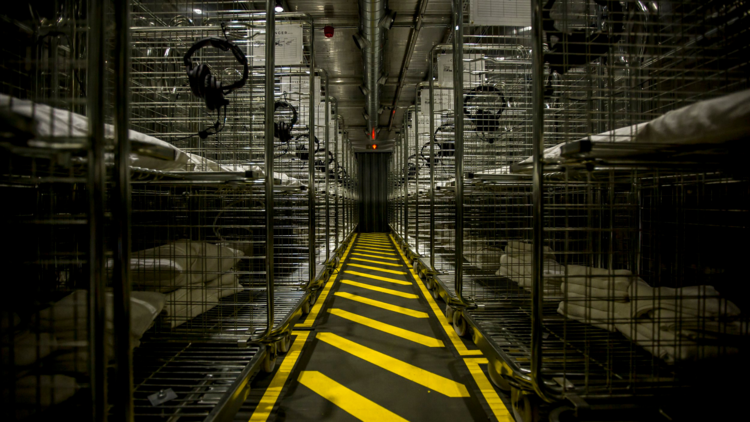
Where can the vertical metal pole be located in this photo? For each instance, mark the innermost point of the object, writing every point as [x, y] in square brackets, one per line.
[123, 382]
[432, 162]
[405, 166]
[345, 198]
[328, 207]
[416, 174]
[458, 113]
[96, 185]
[338, 183]
[270, 63]
[311, 164]
[537, 77]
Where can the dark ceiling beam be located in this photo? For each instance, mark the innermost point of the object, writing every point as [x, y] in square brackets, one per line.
[407, 57]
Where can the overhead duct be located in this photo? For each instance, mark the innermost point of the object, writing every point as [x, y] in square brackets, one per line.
[371, 14]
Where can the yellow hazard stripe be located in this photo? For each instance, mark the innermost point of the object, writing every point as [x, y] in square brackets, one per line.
[371, 243]
[349, 401]
[265, 406]
[375, 256]
[375, 251]
[388, 328]
[377, 277]
[372, 248]
[390, 264]
[488, 391]
[377, 269]
[454, 338]
[380, 289]
[310, 320]
[415, 374]
[382, 305]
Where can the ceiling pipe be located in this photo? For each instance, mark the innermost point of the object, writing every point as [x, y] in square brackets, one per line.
[371, 13]
[418, 19]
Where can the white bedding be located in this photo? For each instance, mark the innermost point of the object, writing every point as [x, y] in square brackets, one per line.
[187, 303]
[701, 301]
[27, 347]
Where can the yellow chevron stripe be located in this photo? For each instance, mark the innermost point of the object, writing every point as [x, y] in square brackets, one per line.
[377, 277]
[263, 411]
[377, 262]
[455, 339]
[372, 243]
[376, 251]
[488, 391]
[380, 289]
[415, 374]
[375, 256]
[371, 248]
[382, 305]
[349, 401]
[376, 269]
[387, 328]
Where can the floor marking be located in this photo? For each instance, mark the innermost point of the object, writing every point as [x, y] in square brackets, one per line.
[375, 262]
[380, 289]
[415, 374]
[372, 248]
[376, 256]
[265, 406]
[371, 243]
[377, 277]
[310, 320]
[349, 401]
[382, 305]
[375, 251]
[388, 328]
[377, 269]
[488, 391]
[447, 327]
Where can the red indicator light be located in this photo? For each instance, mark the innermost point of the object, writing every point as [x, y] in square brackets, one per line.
[374, 146]
[373, 134]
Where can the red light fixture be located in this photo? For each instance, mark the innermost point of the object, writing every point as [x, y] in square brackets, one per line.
[328, 31]
[374, 146]
[373, 134]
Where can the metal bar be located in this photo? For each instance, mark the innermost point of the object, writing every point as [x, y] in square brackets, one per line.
[416, 174]
[328, 207]
[458, 114]
[538, 201]
[123, 382]
[405, 166]
[432, 160]
[96, 193]
[336, 154]
[270, 59]
[311, 166]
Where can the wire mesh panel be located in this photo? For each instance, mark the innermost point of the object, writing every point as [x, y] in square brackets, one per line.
[59, 168]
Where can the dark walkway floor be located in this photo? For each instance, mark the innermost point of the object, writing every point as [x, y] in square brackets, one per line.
[377, 352]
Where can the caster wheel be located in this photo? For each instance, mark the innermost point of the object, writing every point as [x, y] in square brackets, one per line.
[306, 307]
[498, 380]
[524, 406]
[428, 283]
[449, 312]
[460, 324]
[313, 298]
[269, 362]
[285, 343]
[435, 292]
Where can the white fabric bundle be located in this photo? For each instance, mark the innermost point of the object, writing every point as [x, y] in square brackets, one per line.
[600, 278]
[488, 259]
[27, 347]
[518, 268]
[580, 292]
[189, 302]
[184, 262]
[599, 313]
[701, 301]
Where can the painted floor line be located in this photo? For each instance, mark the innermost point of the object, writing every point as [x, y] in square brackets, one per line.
[488, 391]
[374, 251]
[346, 399]
[388, 328]
[368, 267]
[390, 264]
[382, 305]
[310, 320]
[380, 289]
[377, 277]
[267, 402]
[447, 327]
[371, 248]
[413, 373]
[376, 256]
[367, 242]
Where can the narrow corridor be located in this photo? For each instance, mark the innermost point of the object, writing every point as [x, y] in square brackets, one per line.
[376, 347]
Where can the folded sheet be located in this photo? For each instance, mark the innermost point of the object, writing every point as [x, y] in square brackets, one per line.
[670, 346]
[600, 278]
[518, 268]
[27, 347]
[519, 247]
[692, 326]
[189, 302]
[593, 315]
[598, 303]
[181, 263]
[702, 301]
[594, 293]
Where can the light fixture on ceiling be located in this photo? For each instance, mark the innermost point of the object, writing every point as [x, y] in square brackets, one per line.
[279, 8]
[361, 41]
[383, 79]
[386, 22]
[198, 11]
[364, 90]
